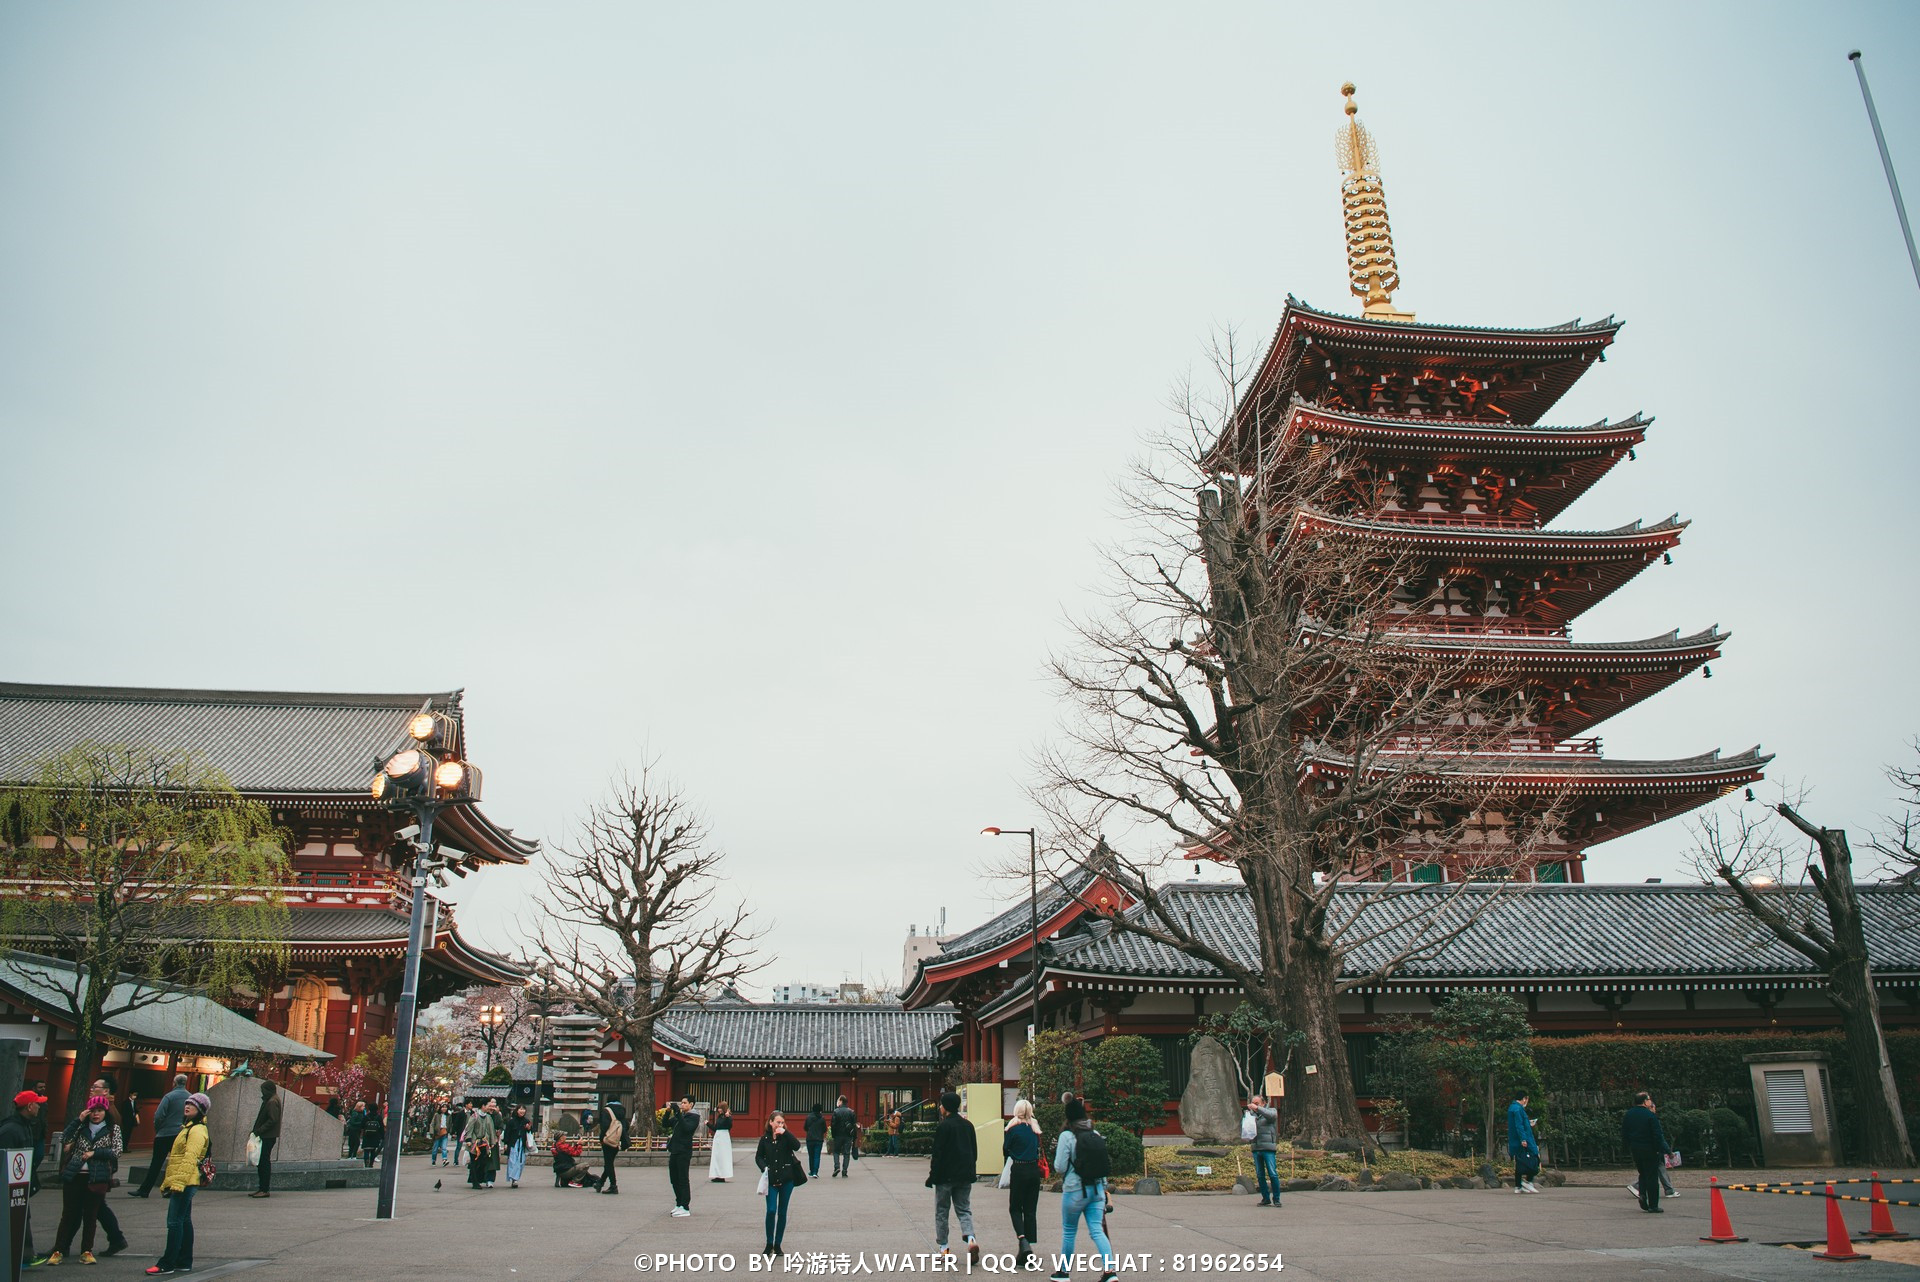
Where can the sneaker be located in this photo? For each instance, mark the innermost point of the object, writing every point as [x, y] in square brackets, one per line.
[1265, 1201]
[1530, 1186]
[1060, 1275]
[86, 1257]
[1519, 1188]
[114, 1248]
[156, 1271]
[1634, 1188]
[54, 1258]
[681, 1212]
[1671, 1193]
[973, 1250]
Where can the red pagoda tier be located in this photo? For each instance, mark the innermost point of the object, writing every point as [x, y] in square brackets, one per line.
[1443, 466]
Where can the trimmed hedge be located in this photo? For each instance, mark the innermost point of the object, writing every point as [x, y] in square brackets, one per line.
[1701, 1082]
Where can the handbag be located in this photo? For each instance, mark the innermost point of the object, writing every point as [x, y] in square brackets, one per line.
[1006, 1175]
[799, 1175]
[253, 1150]
[1673, 1160]
[761, 1187]
[1046, 1168]
[207, 1170]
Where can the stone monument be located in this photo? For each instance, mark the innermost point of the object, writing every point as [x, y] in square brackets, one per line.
[1210, 1107]
[307, 1155]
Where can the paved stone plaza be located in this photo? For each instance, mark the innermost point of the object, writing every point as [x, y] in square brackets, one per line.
[540, 1234]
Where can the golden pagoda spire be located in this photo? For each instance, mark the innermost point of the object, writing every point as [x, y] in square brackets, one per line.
[1370, 266]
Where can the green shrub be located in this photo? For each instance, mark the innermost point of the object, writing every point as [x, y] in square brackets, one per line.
[1124, 1150]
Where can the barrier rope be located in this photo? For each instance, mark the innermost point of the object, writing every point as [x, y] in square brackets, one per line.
[1838, 1197]
[1802, 1184]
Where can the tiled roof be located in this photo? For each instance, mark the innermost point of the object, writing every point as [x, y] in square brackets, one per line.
[265, 742]
[1397, 328]
[1544, 932]
[1017, 920]
[175, 1018]
[789, 1033]
[1505, 647]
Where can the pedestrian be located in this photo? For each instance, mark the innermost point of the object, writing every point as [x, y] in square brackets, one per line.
[778, 1157]
[514, 1142]
[39, 1130]
[184, 1176]
[956, 1152]
[1666, 1181]
[482, 1138]
[335, 1109]
[1521, 1145]
[90, 1149]
[116, 1240]
[373, 1139]
[1020, 1147]
[356, 1127]
[720, 1131]
[1081, 1158]
[816, 1136]
[1641, 1132]
[1266, 1149]
[893, 1133]
[266, 1125]
[167, 1120]
[457, 1128]
[845, 1125]
[613, 1133]
[567, 1153]
[441, 1140]
[686, 1125]
[17, 1132]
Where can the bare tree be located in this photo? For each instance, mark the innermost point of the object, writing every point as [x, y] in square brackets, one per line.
[1899, 841]
[1751, 854]
[1264, 688]
[632, 924]
[147, 872]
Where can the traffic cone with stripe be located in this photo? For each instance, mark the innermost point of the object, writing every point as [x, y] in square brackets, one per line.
[1880, 1225]
[1719, 1224]
[1839, 1245]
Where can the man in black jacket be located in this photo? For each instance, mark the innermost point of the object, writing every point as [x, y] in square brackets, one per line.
[956, 1152]
[18, 1131]
[845, 1127]
[686, 1124]
[168, 1118]
[1641, 1132]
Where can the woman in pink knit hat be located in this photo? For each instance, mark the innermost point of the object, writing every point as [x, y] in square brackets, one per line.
[91, 1154]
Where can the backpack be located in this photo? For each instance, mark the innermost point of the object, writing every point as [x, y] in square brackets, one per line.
[1090, 1161]
[1249, 1129]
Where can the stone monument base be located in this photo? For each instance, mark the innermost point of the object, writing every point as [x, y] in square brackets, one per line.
[288, 1177]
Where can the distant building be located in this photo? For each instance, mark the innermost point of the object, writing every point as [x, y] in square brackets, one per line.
[786, 994]
[920, 946]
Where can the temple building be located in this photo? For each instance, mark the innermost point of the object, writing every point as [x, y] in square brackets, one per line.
[1449, 472]
[308, 758]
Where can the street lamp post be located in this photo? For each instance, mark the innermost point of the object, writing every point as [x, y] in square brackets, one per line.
[1033, 911]
[545, 1000]
[421, 779]
[491, 1017]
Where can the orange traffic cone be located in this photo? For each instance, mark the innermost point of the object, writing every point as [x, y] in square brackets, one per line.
[1720, 1225]
[1880, 1226]
[1839, 1245]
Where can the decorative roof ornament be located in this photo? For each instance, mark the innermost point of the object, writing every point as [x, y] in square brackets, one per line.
[1371, 269]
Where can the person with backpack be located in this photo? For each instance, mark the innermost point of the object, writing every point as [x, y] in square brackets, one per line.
[1080, 1156]
[956, 1153]
[1261, 1125]
[816, 1136]
[186, 1172]
[845, 1127]
[613, 1134]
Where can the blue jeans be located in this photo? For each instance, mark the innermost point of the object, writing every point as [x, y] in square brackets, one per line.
[777, 1195]
[439, 1149]
[1266, 1169]
[179, 1252]
[813, 1157]
[893, 1145]
[1077, 1200]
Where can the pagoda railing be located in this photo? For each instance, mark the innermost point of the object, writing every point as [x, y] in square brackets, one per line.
[357, 886]
[1517, 743]
[1474, 625]
[1482, 520]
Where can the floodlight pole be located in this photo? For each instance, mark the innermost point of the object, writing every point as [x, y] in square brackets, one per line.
[425, 809]
[1886, 163]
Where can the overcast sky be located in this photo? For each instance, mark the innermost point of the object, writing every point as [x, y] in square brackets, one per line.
[746, 385]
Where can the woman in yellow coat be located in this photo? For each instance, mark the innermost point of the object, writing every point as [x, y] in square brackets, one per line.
[178, 1186]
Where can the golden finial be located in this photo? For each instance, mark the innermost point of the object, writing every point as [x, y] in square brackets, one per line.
[1371, 269]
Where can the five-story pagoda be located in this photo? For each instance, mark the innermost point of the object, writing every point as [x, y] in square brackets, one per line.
[1450, 474]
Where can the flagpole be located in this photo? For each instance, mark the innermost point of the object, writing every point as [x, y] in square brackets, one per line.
[1886, 162]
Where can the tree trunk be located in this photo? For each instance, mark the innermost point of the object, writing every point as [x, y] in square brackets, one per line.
[1321, 1104]
[1883, 1130]
[1487, 1125]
